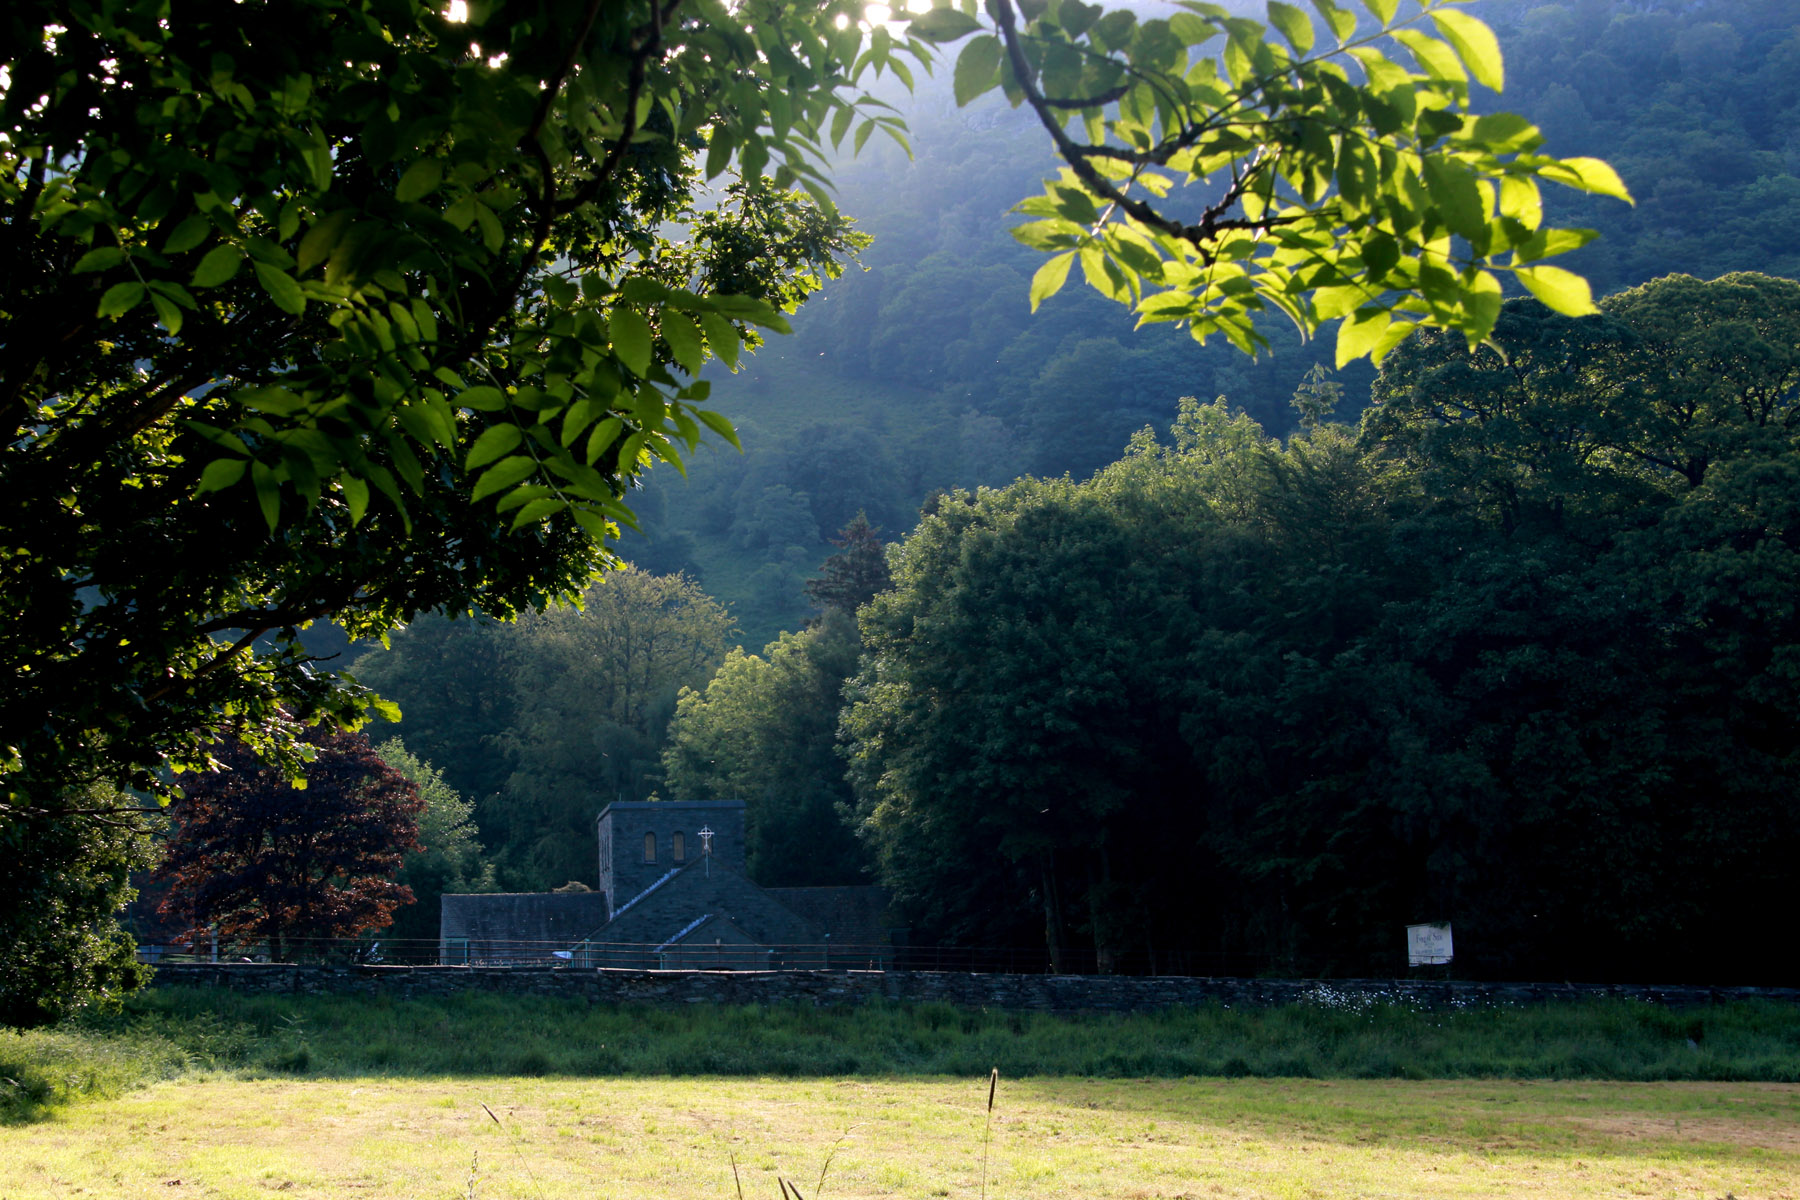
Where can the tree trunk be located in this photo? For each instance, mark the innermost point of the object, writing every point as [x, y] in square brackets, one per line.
[1100, 916]
[1053, 917]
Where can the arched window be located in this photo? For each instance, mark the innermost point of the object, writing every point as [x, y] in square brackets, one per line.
[679, 847]
[649, 847]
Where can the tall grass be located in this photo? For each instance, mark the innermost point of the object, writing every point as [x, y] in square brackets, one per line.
[170, 1032]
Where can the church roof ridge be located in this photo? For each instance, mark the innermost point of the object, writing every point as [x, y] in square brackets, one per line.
[667, 805]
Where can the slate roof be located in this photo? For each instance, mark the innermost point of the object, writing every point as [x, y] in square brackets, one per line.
[655, 915]
[855, 916]
[513, 924]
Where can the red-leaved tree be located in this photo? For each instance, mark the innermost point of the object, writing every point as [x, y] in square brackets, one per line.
[262, 861]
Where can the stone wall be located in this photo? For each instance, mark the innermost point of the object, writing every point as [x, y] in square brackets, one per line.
[1023, 993]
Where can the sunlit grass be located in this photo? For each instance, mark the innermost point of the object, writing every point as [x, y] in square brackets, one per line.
[388, 1139]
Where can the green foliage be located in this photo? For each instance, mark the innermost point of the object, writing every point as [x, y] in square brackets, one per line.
[1518, 657]
[541, 722]
[320, 310]
[64, 875]
[595, 689]
[448, 857]
[854, 575]
[1327, 1037]
[436, 295]
[764, 730]
[1334, 183]
[465, 322]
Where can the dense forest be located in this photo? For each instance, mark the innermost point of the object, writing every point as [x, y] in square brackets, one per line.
[1508, 642]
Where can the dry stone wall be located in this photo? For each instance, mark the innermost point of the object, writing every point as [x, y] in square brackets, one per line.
[1020, 993]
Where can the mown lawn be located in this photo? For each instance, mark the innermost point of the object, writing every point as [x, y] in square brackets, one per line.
[409, 1139]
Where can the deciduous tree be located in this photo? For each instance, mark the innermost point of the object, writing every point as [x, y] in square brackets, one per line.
[260, 860]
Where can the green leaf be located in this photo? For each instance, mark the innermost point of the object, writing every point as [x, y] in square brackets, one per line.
[1475, 45]
[683, 337]
[166, 312]
[604, 435]
[281, 288]
[718, 150]
[631, 339]
[1048, 279]
[120, 299]
[1359, 334]
[1396, 333]
[317, 245]
[1380, 254]
[1342, 21]
[1548, 243]
[496, 441]
[722, 336]
[99, 260]
[219, 265]
[719, 424]
[1295, 25]
[482, 399]
[356, 496]
[502, 475]
[268, 493]
[221, 473]
[492, 235]
[421, 179]
[1383, 10]
[1564, 291]
[1434, 56]
[1453, 189]
[537, 510]
[977, 68]
[942, 25]
[189, 234]
[1588, 174]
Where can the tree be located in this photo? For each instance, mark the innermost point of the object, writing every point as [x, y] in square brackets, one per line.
[258, 859]
[852, 577]
[448, 678]
[764, 730]
[449, 855]
[298, 292]
[65, 875]
[594, 689]
[1385, 204]
[328, 308]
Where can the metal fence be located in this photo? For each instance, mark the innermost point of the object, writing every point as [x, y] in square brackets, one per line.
[826, 955]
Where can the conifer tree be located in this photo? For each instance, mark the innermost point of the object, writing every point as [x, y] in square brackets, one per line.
[851, 578]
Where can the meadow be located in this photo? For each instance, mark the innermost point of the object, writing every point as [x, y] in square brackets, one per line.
[205, 1094]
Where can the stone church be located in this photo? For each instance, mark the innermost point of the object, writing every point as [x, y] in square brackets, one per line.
[673, 895]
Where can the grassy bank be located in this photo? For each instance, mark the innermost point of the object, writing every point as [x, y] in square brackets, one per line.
[166, 1034]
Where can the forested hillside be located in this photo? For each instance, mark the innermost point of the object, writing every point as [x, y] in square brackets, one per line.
[927, 371]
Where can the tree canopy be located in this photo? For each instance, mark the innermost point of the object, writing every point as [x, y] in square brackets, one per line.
[1502, 656]
[260, 861]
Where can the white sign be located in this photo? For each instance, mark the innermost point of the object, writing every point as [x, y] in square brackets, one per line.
[1428, 945]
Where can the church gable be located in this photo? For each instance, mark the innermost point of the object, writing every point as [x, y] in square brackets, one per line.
[703, 888]
[673, 894]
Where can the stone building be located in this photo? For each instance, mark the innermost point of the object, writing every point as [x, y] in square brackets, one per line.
[673, 894]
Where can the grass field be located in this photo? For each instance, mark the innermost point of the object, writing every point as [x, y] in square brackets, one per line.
[206, 1094]
[390, 1139]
